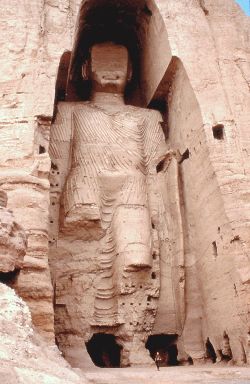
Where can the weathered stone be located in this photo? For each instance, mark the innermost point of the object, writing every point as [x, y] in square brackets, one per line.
[197, 74]
[12, 242]
[25, 357]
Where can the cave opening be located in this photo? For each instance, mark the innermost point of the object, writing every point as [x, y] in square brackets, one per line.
[218, 131]
[9, 278]
[210, 351]
[104, 351]
[166, 345]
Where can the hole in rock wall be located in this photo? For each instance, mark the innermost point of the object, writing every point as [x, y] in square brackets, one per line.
[210, 351]
[54, 166]
[166, 346]
[215, 250]
[185, 156]
[104, 350]
[160, 166]
[218, 131]
[41, 149]
[153, 275]
[9, 278]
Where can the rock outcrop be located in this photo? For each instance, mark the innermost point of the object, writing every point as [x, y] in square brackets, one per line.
[12, 239]
[24, 356]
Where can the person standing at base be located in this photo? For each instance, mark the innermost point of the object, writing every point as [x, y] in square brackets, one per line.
[157, 360]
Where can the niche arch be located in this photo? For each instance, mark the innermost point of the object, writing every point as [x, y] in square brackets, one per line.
[104, 350]
[166, 346]
[71, 87]
[135, 24]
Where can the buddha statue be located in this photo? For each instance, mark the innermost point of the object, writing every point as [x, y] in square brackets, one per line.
[104, 191]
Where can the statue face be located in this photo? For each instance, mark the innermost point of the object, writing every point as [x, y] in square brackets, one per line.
[109, 67]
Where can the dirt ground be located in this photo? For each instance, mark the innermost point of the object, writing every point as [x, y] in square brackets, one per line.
[170, 375]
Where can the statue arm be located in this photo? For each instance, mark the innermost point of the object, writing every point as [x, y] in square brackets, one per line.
[165, 209]
[60, 146]
[60, 155]
[155, 148]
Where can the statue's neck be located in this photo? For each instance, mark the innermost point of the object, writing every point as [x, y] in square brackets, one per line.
[107, 98]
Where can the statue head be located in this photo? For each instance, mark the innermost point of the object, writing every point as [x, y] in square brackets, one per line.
[108, 68]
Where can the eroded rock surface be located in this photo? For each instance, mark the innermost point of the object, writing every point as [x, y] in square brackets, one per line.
[12, 239]
[24, 356]
[197, 74]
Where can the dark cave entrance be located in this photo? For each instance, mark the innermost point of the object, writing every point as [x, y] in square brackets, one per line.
[210, 351]
[104, 350]
[166, 346]
[9, 278]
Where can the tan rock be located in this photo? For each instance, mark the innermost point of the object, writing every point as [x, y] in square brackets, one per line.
[24, 356]
[195, 220]
[12, 239]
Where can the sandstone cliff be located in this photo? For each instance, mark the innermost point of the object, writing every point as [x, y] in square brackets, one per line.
[202, 76]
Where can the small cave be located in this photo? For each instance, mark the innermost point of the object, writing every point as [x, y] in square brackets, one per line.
[41, 149]
[166, 346]
[104, 351]
[160, 166]
[218, 131]
[184, 156]
[153, 275]
[54, 166]
[9, 278]
[210, 351]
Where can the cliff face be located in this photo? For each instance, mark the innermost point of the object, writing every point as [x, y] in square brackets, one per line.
[25, 357]
[202, 74]
[12, 240]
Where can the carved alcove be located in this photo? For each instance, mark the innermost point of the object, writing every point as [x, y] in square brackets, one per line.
[104, 350]
[166, 345]
[139, 26]
[136, 25]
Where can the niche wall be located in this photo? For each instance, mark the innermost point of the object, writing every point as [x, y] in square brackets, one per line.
[74, 270]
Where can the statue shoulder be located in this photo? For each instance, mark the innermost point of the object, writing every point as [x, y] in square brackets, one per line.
[153, 114]
[69, 106]
[64, 109]
[148, 114]
[86, 107]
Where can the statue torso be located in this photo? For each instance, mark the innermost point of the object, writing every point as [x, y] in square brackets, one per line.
[112, 149]
[112, 138]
